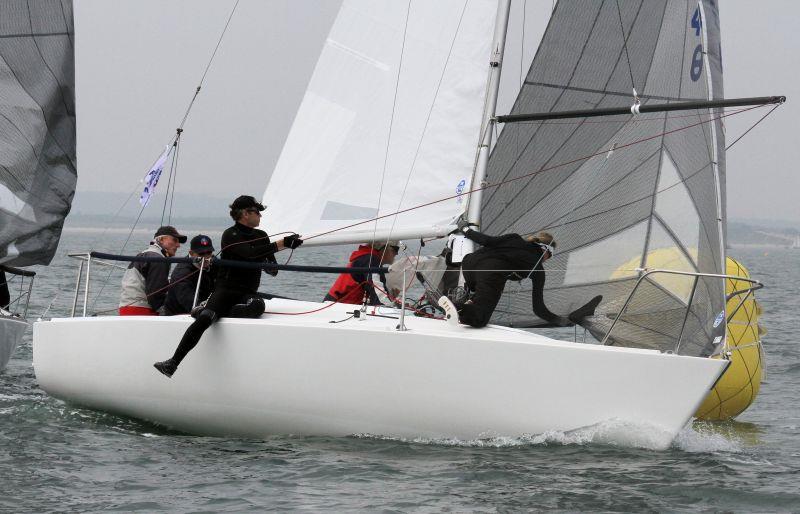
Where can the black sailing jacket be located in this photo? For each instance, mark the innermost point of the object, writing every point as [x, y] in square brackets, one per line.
[512, 252]
[241, 243]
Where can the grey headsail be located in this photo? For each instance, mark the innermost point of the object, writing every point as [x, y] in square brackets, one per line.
[653, 204]
[37, 127]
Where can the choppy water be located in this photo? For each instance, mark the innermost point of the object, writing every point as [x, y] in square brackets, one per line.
[59, 457]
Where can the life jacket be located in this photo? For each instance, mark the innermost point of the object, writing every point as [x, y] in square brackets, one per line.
[346, 289]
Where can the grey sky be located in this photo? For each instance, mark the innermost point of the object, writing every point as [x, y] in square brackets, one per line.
[139, 61]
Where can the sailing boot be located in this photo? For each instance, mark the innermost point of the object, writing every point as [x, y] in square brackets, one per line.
[450, 312]
[167, 367]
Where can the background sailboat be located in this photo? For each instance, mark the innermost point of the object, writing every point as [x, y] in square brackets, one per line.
[37, 138]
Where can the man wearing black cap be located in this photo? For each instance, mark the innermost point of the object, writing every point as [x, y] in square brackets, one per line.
[183, 282]
[144, 284]
[235, 289]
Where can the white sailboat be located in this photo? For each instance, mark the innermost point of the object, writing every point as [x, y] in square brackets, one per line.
[384, 145]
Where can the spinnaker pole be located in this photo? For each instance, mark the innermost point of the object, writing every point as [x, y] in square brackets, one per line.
[484, 144]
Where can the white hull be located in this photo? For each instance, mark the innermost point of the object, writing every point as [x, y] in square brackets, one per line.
[303, 375]
[11, 331]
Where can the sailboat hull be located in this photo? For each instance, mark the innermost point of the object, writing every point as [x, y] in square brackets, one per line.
[11, 331]
[304, 375]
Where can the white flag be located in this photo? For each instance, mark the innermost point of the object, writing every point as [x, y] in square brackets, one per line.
[151, 179]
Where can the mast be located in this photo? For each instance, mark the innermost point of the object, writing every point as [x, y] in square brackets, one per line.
[498, 46]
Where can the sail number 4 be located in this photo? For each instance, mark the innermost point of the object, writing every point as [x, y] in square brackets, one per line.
[696, 66]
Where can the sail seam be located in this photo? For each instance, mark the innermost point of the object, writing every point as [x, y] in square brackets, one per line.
[662, 147]
[491, 195]
[569, 137]
[70, 33]
[32, 34]
[610, 93]
[47, 65]
[633, 170]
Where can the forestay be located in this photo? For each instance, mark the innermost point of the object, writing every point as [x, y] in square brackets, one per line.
[37, 128]
[390, 120]
[652, 204]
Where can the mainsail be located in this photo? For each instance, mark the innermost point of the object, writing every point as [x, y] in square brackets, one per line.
[390, 120]
[653, 204]
[37, 134]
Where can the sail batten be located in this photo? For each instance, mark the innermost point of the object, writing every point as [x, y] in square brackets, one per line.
[629, 194]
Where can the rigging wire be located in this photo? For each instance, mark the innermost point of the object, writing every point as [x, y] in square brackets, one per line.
[169, 181]
[667, 188]
[208, 67]
[173, 141]
[427, 120]
[627, 55]
[391, 125]
[534, 173]
[175, 179]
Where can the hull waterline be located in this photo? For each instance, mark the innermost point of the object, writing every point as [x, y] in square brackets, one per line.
[303, 375]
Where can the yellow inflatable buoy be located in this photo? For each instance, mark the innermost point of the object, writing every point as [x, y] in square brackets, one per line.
[739, 385]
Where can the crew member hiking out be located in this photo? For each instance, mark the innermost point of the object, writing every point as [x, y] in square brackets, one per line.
[235, 289]
[502, 258]
[355, 287]
[184, 278]
[145, 284]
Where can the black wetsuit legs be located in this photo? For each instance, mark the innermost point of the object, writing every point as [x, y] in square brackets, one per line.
[222, 303]
[487, 287]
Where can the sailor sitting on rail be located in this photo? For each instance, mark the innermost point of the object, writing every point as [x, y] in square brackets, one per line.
[184, 278]
[235, 292]
[356, 287]
[144, 284]
[502, 258]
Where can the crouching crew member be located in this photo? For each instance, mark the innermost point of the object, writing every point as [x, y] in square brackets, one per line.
[355, 287]
[509, 257]
[144, 284]
[183, 282]
[235, 289]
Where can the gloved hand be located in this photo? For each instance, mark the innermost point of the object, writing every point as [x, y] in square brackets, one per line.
[464, 225]
[292, 241]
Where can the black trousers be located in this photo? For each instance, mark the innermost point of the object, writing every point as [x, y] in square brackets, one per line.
[223, 302]
[486, 288]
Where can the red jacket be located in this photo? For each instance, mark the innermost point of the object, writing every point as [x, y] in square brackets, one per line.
[351, 287]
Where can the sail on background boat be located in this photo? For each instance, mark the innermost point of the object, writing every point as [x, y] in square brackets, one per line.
[653, 204]
[398, 87]
[37, 128]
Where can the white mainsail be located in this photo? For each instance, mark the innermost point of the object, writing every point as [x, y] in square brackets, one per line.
[390, 120]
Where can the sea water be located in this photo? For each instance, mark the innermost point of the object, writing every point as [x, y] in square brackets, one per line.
[55, 456]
